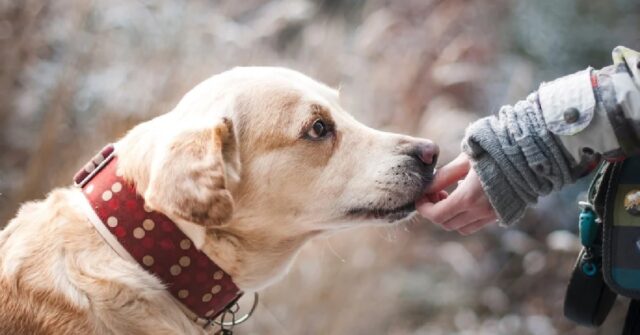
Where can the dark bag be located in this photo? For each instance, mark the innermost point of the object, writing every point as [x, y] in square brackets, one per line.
[621, 240]
[609, 263]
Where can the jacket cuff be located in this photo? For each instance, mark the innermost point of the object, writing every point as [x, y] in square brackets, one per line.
[503, 198]
[516, 158]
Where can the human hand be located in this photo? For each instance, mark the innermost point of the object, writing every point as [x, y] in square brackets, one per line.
[467, 209]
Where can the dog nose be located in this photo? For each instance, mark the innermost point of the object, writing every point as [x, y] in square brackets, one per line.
[427, 152]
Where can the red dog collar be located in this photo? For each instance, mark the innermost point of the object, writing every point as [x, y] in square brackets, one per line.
[154, 241]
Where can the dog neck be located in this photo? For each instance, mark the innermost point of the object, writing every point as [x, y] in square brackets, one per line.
[252, 253]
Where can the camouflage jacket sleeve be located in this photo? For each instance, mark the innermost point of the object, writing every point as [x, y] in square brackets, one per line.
[557, 134]
[596, 111]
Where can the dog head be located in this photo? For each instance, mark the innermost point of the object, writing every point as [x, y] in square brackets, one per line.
[268, 156]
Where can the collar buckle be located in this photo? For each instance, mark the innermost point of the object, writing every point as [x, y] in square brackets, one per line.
[230, 311]
[94, 166]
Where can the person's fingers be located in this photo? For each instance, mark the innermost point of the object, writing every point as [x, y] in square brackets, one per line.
[455, 222]
[441, 211]
[433, 197]
[464, 219]
[450, 173]
[475, 226]
[446, 209]
[466, 224]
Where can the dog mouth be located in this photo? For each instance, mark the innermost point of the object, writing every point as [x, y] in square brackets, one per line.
[406, 193]
[390, 214]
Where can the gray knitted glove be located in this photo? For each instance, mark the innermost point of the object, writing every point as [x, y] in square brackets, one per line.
[517, 158]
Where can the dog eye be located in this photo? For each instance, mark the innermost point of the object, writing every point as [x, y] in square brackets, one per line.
[318, 130]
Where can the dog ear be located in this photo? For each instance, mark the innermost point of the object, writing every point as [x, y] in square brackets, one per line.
[189, 180]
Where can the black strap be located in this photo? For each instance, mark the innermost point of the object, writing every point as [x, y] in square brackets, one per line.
[588, 299]
[632, 322]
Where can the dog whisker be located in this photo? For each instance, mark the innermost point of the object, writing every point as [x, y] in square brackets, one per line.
[334, 252]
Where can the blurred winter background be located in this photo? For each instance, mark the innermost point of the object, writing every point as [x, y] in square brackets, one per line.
[76, 74]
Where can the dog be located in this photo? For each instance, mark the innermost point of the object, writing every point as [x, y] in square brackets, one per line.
[250, 164]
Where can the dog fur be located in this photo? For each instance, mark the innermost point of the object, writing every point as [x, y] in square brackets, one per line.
[237, 166]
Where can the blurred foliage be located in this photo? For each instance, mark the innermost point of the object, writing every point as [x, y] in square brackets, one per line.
[76, 74]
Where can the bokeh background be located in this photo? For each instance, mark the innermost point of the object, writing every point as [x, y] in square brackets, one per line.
[75, 74]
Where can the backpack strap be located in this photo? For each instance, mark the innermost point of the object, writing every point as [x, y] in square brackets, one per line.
[589, 299]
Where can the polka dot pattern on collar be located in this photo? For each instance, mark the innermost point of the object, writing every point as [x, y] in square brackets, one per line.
[157, 244]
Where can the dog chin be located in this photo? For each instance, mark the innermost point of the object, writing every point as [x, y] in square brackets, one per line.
[387, 214]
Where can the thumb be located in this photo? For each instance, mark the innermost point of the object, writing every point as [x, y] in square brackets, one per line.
[450, 173]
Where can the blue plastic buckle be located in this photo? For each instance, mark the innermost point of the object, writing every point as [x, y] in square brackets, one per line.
[588, 224]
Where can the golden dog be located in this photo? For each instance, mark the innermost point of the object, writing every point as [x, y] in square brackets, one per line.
[251, 164]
